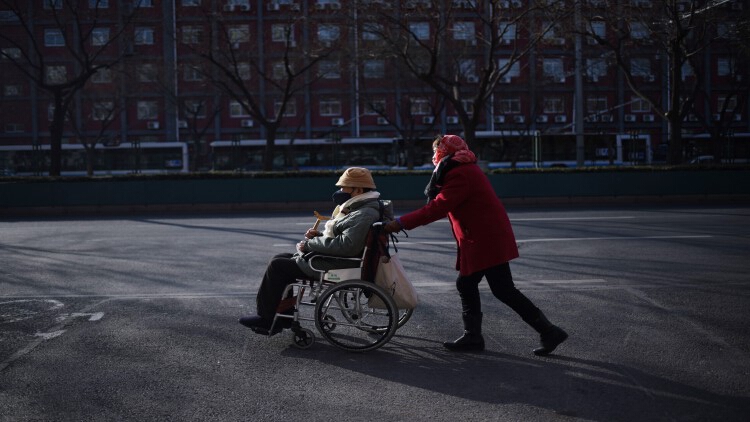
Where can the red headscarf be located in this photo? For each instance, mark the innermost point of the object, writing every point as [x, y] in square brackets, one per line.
[452, 144]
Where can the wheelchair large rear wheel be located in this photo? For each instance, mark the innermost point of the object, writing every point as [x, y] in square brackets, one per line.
[358, 326]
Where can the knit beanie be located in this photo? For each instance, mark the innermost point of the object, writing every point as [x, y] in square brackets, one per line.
[356, 177]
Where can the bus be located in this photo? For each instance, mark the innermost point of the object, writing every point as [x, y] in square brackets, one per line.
[305, 154]
[125, 158]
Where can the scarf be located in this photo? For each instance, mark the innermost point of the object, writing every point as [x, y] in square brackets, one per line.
[342, 210]
[455, 146]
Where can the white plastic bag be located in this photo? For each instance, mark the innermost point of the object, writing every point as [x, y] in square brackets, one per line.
[391, 277]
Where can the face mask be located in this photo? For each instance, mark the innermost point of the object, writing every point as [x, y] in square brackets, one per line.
[339, 197]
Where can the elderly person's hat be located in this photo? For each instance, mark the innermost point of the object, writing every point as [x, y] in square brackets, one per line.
[356, 177]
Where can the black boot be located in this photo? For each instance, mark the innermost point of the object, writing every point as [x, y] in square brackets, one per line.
[472, 340]
[551, 335]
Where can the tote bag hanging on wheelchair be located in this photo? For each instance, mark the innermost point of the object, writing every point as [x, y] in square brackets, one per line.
[392, 278]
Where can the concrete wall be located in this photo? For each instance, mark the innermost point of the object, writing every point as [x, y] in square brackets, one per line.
[17, 197]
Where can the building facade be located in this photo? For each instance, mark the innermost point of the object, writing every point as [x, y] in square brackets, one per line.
[326, 79]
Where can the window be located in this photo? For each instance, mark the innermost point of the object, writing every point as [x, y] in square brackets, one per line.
[98, 4]
[596, 105]
[553, 69]
[102, 110]
[639, 31]
[102, 76]
[328, 32]
[599, 29]
[375, 107]
[468, 105]
[146, 72]
[552, 36]
[53, 4]
[242, 4]
[509, 106]
[372, 31]
[12, 53]
[725, 66]
[54, 38]
[329, 69]
[639, 105]
[99, 36]
[726, 30]
[56, 74]
[195, 109]
[192, 74]
[686, 71]
[237, 109]
[420, 30]
[330, 107]
[243, 71]
[513, 71]
[282, 32]
[374, 69]
[596, 68]
[143, 3]
[278, 71]
[238, 34]
[464, 31]
[640, 67]
[507, 32]
[148, 110]
[191, 3]
[144, 36]
[192, 34]
[553, 105]
[290, 111]
[12, 90]
[420, 107]
[468, 68]
[13, 128]
[729, 102]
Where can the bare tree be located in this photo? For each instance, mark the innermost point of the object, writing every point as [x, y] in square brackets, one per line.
[465, 51]
[263, 86]
[87, 42]
[639, 34]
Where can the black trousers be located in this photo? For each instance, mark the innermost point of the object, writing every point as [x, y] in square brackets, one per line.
[500, 281]
[282, 271]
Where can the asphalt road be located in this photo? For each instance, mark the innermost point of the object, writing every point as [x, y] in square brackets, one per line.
[135, 318]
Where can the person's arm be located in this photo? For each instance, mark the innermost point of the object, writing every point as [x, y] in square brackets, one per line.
[455, 191]
[350, 242]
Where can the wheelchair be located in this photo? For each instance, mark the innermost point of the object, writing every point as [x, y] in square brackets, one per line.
[349, 310]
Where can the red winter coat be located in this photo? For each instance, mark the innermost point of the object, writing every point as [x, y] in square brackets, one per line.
[478, 219]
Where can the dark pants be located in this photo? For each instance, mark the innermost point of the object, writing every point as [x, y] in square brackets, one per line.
[282, 271]
[500, 281]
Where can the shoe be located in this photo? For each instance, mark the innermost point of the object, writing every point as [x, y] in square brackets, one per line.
[469, 342]
[550, 335]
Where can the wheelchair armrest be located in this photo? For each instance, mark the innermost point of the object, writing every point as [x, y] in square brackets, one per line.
[315, 256]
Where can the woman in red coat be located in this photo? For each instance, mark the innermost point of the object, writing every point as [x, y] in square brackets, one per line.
[459, 189]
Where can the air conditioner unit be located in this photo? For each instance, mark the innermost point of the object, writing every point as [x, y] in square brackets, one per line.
[738, 117]
[648, 117]
[691, 118]
[382, 121]
[499, 119]
[472, 79]
[235, 46]
[558, 41]
[607, 118]
[542, 119]
[517, 4]
[152, 125]
[561, 118]
[428, 120]
[247, 123]
[506, 41]
[181, 124]
[244, 7]
[452, 120]
[334, 5]
[229, 8]
[337, 121]
[644, 3]
[273, 6]
[504, 5]
[593, 118]
[561, 80]
[519, 119]
[630, 118]
[505, 80]
[320, 6]
[651, 78]
[294, 6]
[681, 7]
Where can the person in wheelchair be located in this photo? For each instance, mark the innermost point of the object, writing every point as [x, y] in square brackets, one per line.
[345, 234]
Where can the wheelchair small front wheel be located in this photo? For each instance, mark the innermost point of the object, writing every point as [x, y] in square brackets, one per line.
[366, 315]
[303, 338]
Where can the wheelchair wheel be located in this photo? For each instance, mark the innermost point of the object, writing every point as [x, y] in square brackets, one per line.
[403, 317]
[359, 327]
[303, 338]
